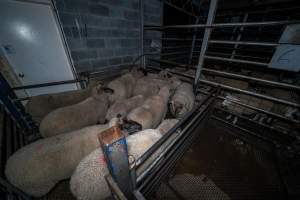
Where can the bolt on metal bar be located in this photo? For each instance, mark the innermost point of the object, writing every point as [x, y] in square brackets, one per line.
[237, 61]
[221, 25]
[204, 46]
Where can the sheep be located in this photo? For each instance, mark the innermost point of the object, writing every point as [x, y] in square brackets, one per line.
[39, 106]
[123, 86]
[121, 108]
[166, 125]
[150, 85]
[88, 112]
[88, 181]
[182, 101]
[37, 167]
[153, 110]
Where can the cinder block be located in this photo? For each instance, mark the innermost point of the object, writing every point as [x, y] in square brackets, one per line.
[75, 43]
[115, 61]
[95, 43]
[67, 19]
[105, 53]
[98, 63]
[100, 10]
[84, 54]
[131, 15]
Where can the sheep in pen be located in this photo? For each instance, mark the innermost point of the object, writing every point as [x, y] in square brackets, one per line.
[69, 147]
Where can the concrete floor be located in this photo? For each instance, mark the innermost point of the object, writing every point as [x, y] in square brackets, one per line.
[236, 169]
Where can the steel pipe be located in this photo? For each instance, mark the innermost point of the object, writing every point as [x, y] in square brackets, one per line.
[237, 61]
[47, 84]
[249, 78]
[210, 19]
[267, 44]
[255, 108]
[226, 25]
[226, 87]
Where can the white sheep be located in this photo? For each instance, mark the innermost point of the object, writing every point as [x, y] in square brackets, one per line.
[39, 106]
[88, 182]
[123, 107]
[123, 86]
[37, 167]
[182, 101]
[88, 112]
[153, 110]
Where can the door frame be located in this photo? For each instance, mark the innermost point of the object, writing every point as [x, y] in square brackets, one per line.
[62, 36]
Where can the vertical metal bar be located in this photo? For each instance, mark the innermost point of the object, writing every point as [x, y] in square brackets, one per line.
[204, 46]
[193, 42]
[143, 60]
[239, 36]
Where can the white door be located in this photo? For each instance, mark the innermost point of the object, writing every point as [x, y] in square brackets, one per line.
[32, 43]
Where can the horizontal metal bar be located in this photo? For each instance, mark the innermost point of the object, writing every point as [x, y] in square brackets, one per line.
[238, 76]
[269, 44]
[219, 25]
[46, 84]
[237, 61]
[249, 78]
[255, 108]
[226, 87]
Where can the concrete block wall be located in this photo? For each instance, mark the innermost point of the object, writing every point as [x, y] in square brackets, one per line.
[103, 34]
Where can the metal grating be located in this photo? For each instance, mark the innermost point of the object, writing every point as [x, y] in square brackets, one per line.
[188, 186]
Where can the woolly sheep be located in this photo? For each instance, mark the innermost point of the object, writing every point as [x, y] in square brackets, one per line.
[182, 101]
[123, 86]
[37, 167]
[123, 107]
[88, 182]
[69, 118]
[149, 86]
[166, 125]
[39, 106]
[154, 109]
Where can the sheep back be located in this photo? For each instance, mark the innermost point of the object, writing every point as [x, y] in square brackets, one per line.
[37, 167]
[123, 107]
[70, 118]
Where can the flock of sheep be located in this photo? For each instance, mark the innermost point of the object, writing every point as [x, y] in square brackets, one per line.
[70, 148]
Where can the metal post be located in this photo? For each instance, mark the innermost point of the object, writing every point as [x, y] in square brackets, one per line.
[193, 42]
[239, 36]
[204, 46]
[143, 60]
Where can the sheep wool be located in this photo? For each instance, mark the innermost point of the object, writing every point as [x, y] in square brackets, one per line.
[154, 109]
[123, 107]
[39, 106]
[37, 167]
[150, 85]
[166, 125]
[70, 118]
[88, 182]
[182, 101]
[123, 87]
